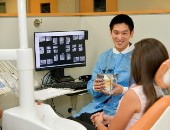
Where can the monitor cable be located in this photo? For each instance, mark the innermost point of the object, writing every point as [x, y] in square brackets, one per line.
[54, 107]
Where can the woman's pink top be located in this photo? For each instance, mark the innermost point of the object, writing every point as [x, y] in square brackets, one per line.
[139, 91]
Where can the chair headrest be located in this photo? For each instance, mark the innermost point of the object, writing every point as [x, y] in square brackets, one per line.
[162, 77]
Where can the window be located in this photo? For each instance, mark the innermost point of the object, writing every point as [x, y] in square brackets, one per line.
[45, 8]
[99, 5]
[2, 7]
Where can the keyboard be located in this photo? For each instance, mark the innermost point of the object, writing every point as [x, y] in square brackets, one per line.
[48, 93]
[70, 85]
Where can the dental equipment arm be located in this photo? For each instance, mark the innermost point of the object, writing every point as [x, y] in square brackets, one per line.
[8, 78]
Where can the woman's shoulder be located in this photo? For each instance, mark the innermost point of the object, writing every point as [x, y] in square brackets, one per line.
[131, 99]
[138, 89]
[131, 92]
[135, 87]
[134, 92]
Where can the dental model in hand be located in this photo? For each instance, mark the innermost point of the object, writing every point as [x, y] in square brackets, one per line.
[162, 77]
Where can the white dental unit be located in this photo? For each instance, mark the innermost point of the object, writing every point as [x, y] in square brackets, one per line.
[29, 115]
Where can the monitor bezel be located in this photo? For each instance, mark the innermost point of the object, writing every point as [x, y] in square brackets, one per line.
[63, 66]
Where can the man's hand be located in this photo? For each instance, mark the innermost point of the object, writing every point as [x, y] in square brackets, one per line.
[107, 119]
[97, 118]
[98, 85]
[117, 89]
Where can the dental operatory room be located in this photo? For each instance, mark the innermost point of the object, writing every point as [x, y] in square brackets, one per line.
[84, 65]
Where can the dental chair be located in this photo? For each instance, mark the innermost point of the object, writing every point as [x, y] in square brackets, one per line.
[157, 116]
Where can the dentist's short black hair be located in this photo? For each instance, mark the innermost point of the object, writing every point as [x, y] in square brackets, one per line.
[122, 18]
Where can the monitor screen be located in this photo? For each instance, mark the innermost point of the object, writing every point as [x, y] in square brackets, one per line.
[59, 49]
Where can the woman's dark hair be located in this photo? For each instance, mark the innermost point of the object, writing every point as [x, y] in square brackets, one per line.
[122, 18]
[147, 56]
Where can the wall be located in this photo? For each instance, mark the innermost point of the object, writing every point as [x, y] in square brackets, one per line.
[55, 24]
[155, 25]
[10, 39]
[99, 39]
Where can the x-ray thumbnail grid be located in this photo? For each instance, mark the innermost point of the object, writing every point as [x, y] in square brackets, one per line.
[62, 50]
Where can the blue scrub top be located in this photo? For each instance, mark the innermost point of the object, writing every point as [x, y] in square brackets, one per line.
[109, 62]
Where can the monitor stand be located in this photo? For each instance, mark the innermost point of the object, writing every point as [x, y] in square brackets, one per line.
[57, 72]
[58, 76]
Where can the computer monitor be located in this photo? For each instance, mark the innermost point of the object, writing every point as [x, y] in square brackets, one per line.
[59, 49]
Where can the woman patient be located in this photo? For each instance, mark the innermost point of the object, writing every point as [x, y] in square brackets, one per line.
[147, 57]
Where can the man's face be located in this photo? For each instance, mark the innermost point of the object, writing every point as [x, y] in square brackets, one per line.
[121, 36]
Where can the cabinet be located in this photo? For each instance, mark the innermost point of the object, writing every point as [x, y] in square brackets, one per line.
[111, 5]
[43, 6]
[98, 6]
[86, 6]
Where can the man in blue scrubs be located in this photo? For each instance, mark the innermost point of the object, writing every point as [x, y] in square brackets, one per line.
[113, 61]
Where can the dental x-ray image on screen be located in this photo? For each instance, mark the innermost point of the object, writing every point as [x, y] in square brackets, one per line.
[59, 49]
